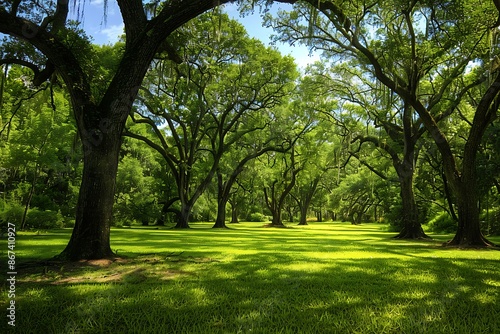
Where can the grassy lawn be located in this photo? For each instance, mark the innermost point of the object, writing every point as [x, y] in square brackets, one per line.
[322, 278]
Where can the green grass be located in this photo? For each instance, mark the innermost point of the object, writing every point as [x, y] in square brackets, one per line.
[322, 278]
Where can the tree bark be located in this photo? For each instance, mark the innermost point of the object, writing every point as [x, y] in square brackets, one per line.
[448, 198]
[412, 229]
[183, 217]
[166, 209]
[30, 197]
[464, 184]
[234, 213]
[273, 206]
[277, 220]
[224, 188]
[274, 203]
[304, 200]
[220, 221]
[319, 216]
[303, 213]
[223, 193]
[469, 230]
[91, 235]
[404, 166]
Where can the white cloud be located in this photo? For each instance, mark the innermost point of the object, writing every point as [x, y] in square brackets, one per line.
[112, 33]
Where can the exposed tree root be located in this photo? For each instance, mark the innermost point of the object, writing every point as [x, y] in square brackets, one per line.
[471, 244]
[412, 236]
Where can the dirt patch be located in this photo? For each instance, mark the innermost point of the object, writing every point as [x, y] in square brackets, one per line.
[44, 267]
[118, 270]
[102, 262]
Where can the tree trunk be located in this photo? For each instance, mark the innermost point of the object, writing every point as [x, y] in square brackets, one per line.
[469, 230]
[166, 209]
[161, 219]
[222, 199]
[447, 195]
[303, 215]
[412, 229]
[274, 207]
[319, 216]
[183, 217]
[277, 221]
[220, 221]
[91, 235]
[464, 184]
[30, 197]
[182, 221]
[290, 214]
[333, 215]
[234, 214]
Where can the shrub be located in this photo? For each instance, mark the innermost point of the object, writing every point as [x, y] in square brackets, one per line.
[44, 219]
[256, 217]
[12, 213]
[443, 223]
[69, 222]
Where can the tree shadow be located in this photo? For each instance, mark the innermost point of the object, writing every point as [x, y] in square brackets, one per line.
[204, 281]
[269, 293]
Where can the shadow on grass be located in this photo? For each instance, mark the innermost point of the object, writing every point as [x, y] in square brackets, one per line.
[268, 293]
[317, 238]
[243, 281]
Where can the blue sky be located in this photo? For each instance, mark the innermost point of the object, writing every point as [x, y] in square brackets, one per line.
[109, 31]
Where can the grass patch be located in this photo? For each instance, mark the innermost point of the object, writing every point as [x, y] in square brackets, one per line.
[320, 278]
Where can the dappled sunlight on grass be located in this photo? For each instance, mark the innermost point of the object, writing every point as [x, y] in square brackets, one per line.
[321, 278]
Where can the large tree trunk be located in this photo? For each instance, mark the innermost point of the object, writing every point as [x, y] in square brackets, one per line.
[469, 230]
[412, 229]
[303, 214]
[91, 235]
[406, 171]
[277, 220]
[464, 184]
[183, 217]
[220, 221]
[273, 204]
